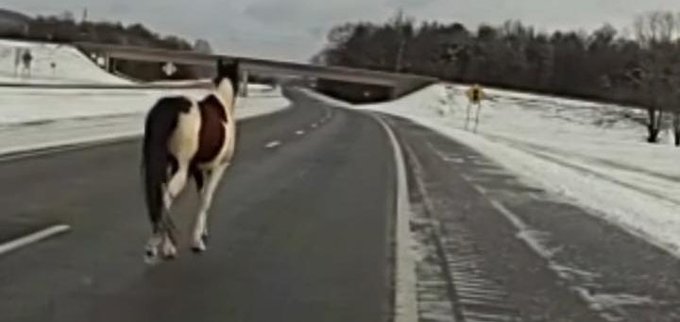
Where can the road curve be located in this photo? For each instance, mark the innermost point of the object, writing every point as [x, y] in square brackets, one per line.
[300, 230]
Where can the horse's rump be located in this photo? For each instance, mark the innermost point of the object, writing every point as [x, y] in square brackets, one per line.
[159, 125]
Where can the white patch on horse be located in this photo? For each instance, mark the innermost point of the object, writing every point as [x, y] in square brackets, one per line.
[200, 227]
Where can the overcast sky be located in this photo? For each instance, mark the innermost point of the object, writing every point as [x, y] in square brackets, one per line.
[295, 29]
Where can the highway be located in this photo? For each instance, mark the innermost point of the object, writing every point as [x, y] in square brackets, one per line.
[303, 229]
[300, 230]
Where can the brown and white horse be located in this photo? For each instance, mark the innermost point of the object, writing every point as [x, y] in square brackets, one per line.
[186, 138]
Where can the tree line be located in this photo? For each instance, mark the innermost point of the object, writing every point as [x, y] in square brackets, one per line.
[641, 68]
[65, 28]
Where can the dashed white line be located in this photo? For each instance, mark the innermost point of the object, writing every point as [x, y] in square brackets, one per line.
[299, 132]
[314, 125]
[33, 238]
[272, 144]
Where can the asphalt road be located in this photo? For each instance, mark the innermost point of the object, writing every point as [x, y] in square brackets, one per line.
[300, 230]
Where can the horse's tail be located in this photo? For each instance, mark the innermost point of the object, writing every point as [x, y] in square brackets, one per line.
[160, 124]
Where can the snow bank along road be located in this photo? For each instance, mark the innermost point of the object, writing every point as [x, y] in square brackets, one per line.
[301, 230]
[33, 119]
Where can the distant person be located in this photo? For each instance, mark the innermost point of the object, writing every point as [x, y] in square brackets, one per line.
[27, 59]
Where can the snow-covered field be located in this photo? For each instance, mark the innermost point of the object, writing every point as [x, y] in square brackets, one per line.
[592, 154]
[71, 66]
[30, 106]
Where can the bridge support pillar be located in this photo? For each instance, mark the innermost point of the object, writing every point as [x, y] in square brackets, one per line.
[244, 84]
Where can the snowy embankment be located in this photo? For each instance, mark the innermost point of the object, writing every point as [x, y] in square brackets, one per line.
[593, 154]
[51, 63]
[32, 118]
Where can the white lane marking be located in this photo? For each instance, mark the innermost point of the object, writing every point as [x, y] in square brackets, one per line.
[299, 132]
[524, 232]
[272, 144]
[314, 125]
[33, 238]
[405, 303]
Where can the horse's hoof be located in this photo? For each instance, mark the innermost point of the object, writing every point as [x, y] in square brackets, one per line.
[198, 247]
[150, 257]
[197, 250]
[168, 250]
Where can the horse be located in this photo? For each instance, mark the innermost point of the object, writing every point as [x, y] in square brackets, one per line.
[187, 138]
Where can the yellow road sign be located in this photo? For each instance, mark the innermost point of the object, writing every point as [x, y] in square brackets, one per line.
[475, 94]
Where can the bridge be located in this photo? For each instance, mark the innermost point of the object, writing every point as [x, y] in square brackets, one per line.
[398, 83]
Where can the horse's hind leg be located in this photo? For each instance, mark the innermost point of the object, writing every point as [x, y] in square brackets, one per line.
[200, 233]
[176, 183]
[174, 188]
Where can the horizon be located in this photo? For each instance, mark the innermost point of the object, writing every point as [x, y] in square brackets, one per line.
[294, 31]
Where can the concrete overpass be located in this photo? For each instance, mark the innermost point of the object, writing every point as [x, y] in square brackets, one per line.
[400, 84]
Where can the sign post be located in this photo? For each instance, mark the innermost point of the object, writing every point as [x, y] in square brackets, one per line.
[475, 95]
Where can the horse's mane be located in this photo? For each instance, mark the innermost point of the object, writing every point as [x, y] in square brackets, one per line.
[228, 70]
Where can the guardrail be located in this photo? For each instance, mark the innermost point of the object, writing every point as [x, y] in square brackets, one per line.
[142, 86]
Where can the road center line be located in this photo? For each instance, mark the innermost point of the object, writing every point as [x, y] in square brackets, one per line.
[299, 132]
[272, 144]
[33, 238]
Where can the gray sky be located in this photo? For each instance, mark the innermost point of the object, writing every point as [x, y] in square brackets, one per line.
[295, 29]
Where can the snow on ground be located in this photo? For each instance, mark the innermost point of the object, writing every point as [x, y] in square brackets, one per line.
[26, 106]
[593, 154]
[71, 65]
[41, 118]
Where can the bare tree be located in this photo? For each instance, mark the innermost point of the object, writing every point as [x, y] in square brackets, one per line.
[656, 32]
